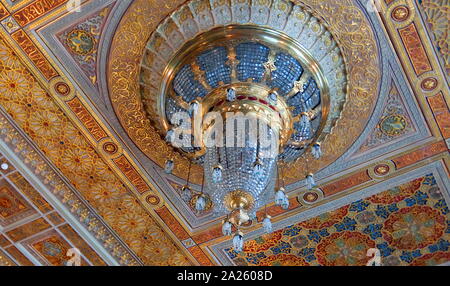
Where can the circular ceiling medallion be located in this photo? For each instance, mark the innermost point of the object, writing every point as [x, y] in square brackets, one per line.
[141, 107]
[429, 84]
[110, 148]
[255, 62]
[382, 170]
[400, 13]
[393, 125]
[153, 200]
[80, 42]
[310, 197]
[62, 88]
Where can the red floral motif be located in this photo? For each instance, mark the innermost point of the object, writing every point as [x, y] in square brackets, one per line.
[432, 259]
[325, 220]
[263, 243]
[397, 194]
[414, 227]
[344, 249]
[283, 260]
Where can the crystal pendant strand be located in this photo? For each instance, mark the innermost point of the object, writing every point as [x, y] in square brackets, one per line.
[200, 204]
[217, 169]
[186, 192]
[238, 241]
[267, 223]
[227, 227]
[168, 168]
[281, 198]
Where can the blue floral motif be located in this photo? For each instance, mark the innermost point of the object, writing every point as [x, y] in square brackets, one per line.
[359, 206]
[406, 256]
[429, 180]
[255, 258]
[314, 236]
[393, 208]
[310, 258]
[282, 247]
[409, 256]
[410, 202]
[416, 253]
[441, 245]
[324, 232]
[441, 204]
[421, 198]
[231, 253]
[373, 230]
[381, 211]
[385, 250]
[292, 231]
[347, 224]
[305, 252]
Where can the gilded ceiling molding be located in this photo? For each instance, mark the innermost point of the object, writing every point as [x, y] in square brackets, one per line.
[61, 141]
[64, 193]
[408, 34]
[35, 10]
[441, 112]
[345, 21]
[437, 13]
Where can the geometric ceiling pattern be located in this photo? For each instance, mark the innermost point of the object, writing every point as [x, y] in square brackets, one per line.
[77, 179]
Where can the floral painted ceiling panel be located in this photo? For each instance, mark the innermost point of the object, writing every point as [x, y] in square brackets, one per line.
[409, 224]
[38, 115]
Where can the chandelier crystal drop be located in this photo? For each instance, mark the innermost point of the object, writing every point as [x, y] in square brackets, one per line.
[217, 174]
[168, 168]
[238, 241]
[310, 182]
[267, 224]
[316, 151]
[227, 228]
[200, 204]
[186, 193]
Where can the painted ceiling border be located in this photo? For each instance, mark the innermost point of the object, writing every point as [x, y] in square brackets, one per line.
[436, 167]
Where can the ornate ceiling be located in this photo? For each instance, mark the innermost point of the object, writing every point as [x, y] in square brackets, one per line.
[85, 164]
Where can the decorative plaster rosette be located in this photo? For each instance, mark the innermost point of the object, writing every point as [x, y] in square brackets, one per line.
[345, 22]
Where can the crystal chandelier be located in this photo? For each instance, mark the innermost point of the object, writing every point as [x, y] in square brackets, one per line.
[241, 101]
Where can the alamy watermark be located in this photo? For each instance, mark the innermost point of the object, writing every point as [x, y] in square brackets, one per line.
[74, 256]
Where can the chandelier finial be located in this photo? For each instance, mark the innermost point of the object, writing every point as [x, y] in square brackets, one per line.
[267, 224]
[310, 182]
[238, 241]
[186, 192]
[316, 150]
[227, 227]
